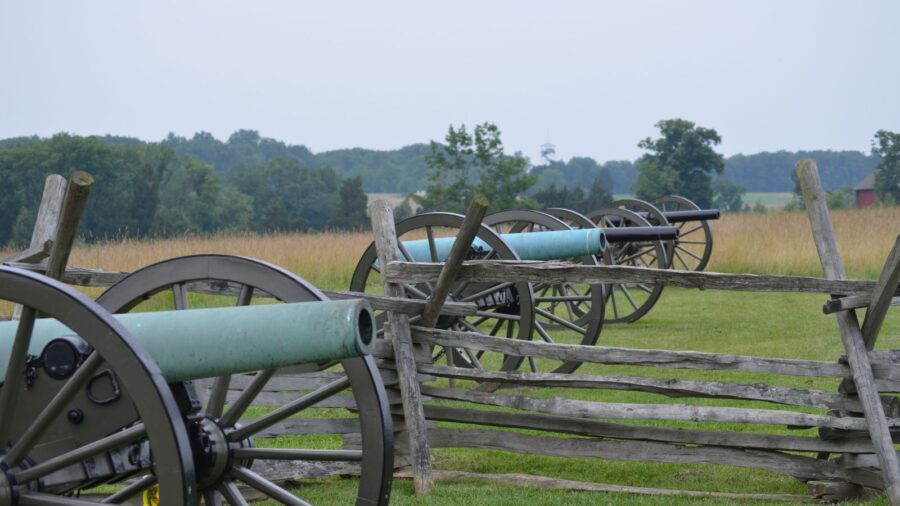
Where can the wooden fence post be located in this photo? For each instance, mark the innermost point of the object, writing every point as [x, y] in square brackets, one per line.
[882, 296]
[467, 232]
[382, 217]
[77, 193]
[45, 226]
[851, 335]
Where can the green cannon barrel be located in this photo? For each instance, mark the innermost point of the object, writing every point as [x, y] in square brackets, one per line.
[544, 245]
[202, 343]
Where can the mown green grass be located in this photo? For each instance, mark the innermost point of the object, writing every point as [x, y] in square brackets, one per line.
[770, 325]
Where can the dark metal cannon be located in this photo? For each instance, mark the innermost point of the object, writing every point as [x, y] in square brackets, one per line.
[92, 399]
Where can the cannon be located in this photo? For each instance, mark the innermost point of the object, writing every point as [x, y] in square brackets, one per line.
[628, 243]
[628, 302]
[566, 314]
[694, 247]
[100, 400]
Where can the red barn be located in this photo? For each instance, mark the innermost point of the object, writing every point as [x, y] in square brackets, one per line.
[865, 191]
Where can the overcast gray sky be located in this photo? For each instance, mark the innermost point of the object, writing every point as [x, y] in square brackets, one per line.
[591, 77]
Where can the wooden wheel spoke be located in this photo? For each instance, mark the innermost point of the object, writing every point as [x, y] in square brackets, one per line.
[630, 298]
[543, 332]
[432, 247]
[211, 498]
[562, 321]
[496, 327]
[231, 493]
[488, 291]
[237, 409]
[79, 454]
[612, 298]
[131, 490]
[638, 254]
[567, 298]
[299, 454]
[691, 254]
[412, 290]
[469, 326]
[290, 409]
[266, 487]
[15, 370]
[498, 315]
[473, 358]
[691, 231]
[180, 296]
[644, 287]
[40, 499]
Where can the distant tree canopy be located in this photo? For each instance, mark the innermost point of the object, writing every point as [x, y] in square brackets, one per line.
[398, 171]
[149, 189]
[887, 175]
[680, 162]
[577, 199]
[202, 185]
[469, 163]
[772, 172]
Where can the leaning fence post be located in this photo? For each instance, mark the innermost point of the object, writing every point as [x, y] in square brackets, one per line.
[47, 220]
[882, 296]
[77, 193]
[851, 335]
[382, 217]
[467, 232]
[57, 220]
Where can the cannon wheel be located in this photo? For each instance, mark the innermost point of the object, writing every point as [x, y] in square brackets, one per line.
[568, 309]
[695, 242]
[654, 216]
[114, 353]
[512, 317]
[245, 279]
[571, 218]
[628, 302]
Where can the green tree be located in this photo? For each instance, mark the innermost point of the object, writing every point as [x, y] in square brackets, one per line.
[194, 202]
[350, 213]
[680, 162]
[288, 196]
[728, 196]
[473, 162]
[576, 199]
[887, 173]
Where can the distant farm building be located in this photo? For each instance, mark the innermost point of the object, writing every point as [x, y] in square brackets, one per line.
[865, 191]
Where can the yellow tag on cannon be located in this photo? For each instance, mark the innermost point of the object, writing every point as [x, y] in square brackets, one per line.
[151, 496]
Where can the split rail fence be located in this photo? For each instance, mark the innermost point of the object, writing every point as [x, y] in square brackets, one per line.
[855, 425]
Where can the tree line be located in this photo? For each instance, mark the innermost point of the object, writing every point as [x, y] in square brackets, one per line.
[251, 183]
[148, 189]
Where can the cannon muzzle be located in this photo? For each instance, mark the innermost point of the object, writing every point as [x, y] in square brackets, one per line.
[692, 215]
[203, 343]
[616, 235]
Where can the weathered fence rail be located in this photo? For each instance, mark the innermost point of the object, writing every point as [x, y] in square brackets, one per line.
[844, 436]
[855, 424]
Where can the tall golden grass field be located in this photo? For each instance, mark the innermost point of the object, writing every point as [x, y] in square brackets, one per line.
[772, 243]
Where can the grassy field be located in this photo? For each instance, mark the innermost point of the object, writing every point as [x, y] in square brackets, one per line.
[773, 325]
[772, 201]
